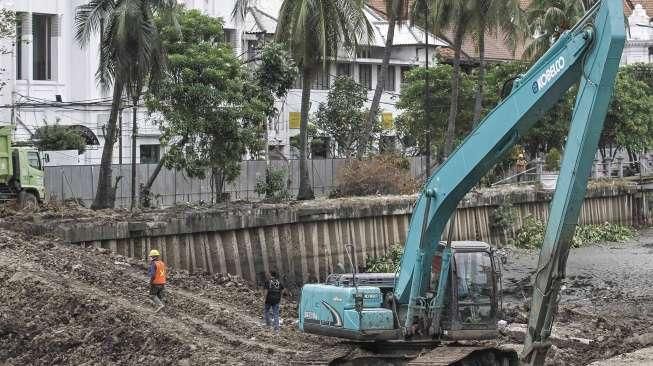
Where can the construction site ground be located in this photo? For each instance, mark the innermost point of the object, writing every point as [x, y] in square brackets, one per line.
[62, 304]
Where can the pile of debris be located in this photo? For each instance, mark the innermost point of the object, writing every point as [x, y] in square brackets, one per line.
[64, 304]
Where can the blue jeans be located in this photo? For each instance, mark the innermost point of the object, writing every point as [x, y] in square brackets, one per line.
[275, 315]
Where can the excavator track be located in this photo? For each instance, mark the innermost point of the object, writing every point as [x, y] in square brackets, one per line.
[409, 354]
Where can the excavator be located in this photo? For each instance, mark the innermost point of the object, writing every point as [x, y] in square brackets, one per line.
[446, 294]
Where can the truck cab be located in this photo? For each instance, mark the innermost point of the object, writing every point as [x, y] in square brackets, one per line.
[21, 172]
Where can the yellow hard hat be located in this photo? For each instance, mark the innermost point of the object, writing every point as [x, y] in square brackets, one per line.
[154, 253]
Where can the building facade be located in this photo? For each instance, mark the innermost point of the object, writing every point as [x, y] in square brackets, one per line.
[51, 79]
[639, 44]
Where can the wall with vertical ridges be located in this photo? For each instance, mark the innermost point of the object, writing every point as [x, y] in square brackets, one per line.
[306, 241]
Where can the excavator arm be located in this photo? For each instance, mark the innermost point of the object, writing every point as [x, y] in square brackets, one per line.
[587, 55]
[590, 54]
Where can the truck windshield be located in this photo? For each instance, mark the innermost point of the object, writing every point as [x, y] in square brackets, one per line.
[475, 287]
[33, 159]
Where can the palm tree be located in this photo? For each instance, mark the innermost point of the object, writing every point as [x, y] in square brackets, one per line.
[494, 17]
[396, 10]
[455, 15]
[129, 52]
[314, 30]
[548, 19]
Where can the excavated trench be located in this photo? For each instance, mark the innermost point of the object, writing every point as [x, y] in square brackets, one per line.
[69, 304]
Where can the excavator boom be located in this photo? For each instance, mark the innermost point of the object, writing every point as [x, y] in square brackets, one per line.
[587, 55]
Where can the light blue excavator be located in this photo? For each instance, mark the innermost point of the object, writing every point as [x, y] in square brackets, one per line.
[420, 316]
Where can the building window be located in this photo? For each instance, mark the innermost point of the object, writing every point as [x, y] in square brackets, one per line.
[650, 54]
[251, 50]
[343, 70]
[389, 77]
[404, 73]
[321, 78]
[42, 46]
[19, 48]
[365, 76]
[228, 35]
[364, 52]
[150, 154]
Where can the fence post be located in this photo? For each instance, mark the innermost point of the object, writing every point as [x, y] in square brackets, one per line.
[539, 163]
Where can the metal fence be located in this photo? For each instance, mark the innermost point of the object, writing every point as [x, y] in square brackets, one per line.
[174, 187]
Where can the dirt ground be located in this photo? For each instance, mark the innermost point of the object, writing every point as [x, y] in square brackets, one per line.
[606, 301]
[65, 305]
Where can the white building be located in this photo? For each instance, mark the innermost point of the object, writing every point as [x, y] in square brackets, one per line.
[50, 79]
[639, 44]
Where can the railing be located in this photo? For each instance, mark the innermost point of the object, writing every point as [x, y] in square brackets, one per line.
[617, 168]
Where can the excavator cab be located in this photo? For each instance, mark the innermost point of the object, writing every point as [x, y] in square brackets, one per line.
[472, 301]
[474, 292]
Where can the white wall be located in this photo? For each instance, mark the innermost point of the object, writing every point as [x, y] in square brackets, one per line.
[74, 79]
[640, 38]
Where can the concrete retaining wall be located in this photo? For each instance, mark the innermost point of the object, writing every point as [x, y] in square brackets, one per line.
[305, 241]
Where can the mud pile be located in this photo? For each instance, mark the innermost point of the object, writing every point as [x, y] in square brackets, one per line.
[606, 302]
[62, 304]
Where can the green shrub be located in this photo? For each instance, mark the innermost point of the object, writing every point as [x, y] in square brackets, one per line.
[552, 160]
[531, 234]
[504, 216]
[385, 263]
[273, 185]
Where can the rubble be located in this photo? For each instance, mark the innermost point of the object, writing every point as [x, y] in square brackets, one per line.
[66, 304]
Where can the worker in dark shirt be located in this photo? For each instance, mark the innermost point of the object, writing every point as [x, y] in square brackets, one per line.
[272, 299]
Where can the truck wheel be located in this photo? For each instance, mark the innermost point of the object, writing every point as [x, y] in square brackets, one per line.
[27, 200]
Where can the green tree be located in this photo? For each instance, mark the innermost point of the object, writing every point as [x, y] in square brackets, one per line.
[56, 137]
[456, 15]
[343, 118]
[7, 31]
[396, 11]
[314, 30]
[214, 107]
[413, 124]
[130, 52]
[629, 123]
[494, 17]
[548, 19]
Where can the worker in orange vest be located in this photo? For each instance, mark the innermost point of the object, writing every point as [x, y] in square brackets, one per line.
[157, 274]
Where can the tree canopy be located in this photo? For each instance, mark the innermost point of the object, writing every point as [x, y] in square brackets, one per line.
[412, 124]
[57, 137]
[213, 108]
[343, 116]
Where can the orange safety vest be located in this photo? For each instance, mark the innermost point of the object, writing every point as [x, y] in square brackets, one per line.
[159, 277]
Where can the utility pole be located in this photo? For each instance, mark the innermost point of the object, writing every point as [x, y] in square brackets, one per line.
[120, 135]
[134, 133]
[427, 96]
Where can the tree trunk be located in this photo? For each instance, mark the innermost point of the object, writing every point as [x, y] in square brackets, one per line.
[478, 100]
[134, 134]
[305, 187]
[105, 195]
[218, 183]
[455, 91]
[380, 79]
[159, 166]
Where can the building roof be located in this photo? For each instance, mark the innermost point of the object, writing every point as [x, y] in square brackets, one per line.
[262, 18]
[495, 45]
[629, 5]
